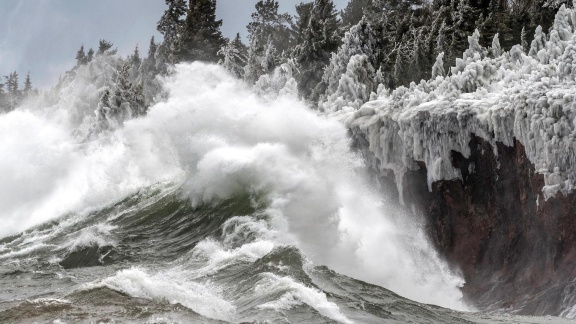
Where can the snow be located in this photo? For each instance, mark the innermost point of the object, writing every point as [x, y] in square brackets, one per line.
[499, 98]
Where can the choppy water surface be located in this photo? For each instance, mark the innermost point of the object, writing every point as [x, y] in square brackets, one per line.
[155, 258]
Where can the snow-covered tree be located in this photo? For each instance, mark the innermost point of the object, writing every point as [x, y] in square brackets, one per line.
[234, 56]
[354, 86]
[523, 41]
[474, 47]
[122, 101]
[261, 60]
[438, 67]
[538, 43]
[496, 49]
[359, 40]
[14, 94]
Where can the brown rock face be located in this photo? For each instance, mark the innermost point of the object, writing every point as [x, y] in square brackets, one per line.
[516, 250]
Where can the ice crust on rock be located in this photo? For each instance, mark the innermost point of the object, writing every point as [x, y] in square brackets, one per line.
[531, 98]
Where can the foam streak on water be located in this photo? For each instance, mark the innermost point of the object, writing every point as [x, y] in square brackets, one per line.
[220, 140]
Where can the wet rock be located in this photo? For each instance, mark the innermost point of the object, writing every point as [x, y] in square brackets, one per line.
[516, 250]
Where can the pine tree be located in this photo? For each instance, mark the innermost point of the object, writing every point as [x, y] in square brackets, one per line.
[170, 26]
[474, 47]
[463, 26]
[303, 12]
[148, 72]
[254, 61]
[438, 67]
[135, 62]
[496, 49]
[269, 25]
[104, 46]
[359, 40]
[80, 56]
[102, 111]
[201, 38]
[14, 94]
[234, 56]
[3, 99]
[90, 55]
[523, 41]
[27, 85]
[353, 12]
[354, 86]
[135, 59]
[148, 66]
[538, 43]
[321, 39]
[399, 68]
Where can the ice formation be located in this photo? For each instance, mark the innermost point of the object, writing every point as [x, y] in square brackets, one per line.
[496, 96]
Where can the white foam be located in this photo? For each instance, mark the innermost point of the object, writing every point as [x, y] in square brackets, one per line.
[219, 138]
[98, 235]
[172, 287]
[293, 294]
[216, 256]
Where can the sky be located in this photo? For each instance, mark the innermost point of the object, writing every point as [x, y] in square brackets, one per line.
[43, 36]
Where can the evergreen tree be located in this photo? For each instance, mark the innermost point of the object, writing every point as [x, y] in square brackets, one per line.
[353, 13]
[126, 101]
[201, 38]
[148, 66]
[234, 56]
[269, 25]
[463, 19]
[254, 62]
[303, 12]
[354, 86]
[170, 26]
[398, 69]
[438, 67]
[3, 99]
[27, 85]
[148, 72]
[135, 59]
[359, 40]
[441, 44]
[104, 46]
[523, 41]
[538, 43]
[14, 94]
[498, 21]
[89, 55]
[321, 39]
[81, 56]
[496, 49]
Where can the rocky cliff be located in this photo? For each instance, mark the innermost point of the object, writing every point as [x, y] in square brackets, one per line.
[488, 155]
[516, 250]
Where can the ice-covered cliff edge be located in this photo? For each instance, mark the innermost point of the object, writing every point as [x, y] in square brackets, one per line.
[488, 155]
[497, 97]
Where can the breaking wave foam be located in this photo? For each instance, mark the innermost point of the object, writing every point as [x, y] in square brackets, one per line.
[219, 139]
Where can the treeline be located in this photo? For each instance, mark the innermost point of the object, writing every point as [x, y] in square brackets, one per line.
[11, 94]
[400, 39]
[328, 55]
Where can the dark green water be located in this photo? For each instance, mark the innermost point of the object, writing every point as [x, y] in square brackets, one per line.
[155, 258]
